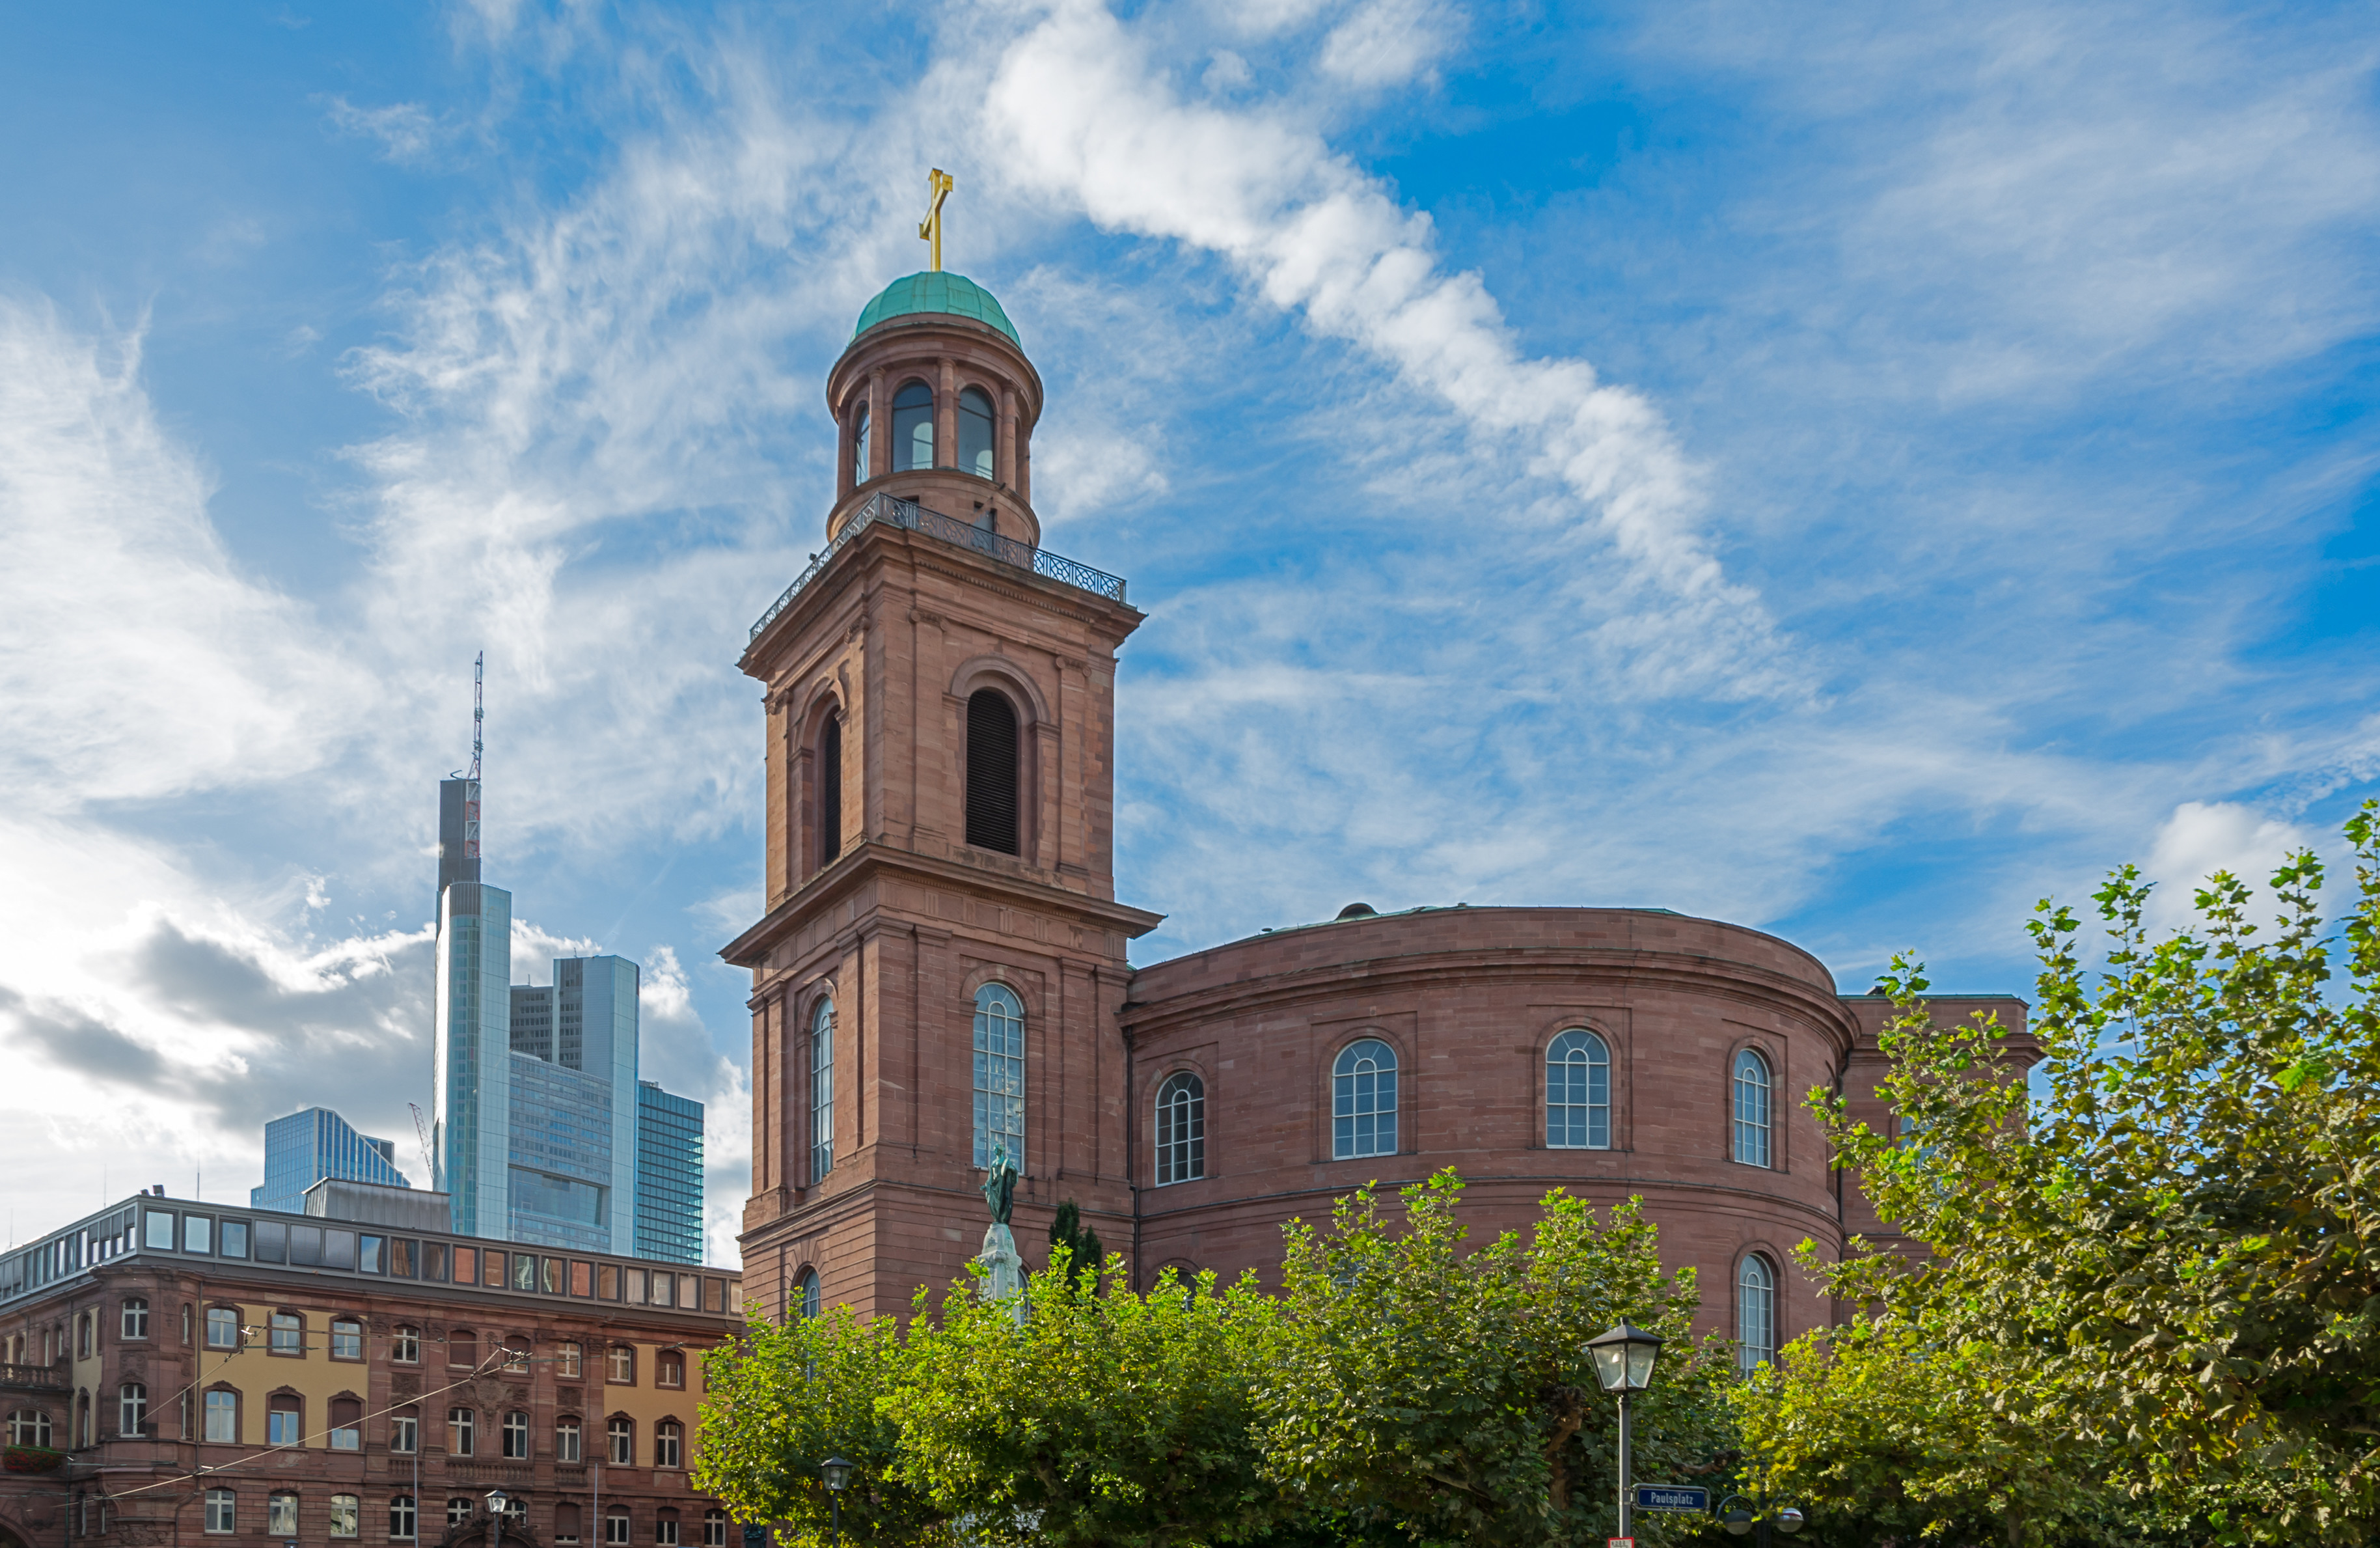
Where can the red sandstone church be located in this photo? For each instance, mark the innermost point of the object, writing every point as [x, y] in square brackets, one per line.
[943, 962]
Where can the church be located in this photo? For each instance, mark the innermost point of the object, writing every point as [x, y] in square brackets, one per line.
[942, 963]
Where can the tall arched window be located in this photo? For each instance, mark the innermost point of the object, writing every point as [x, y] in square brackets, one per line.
[860, 444]
[992, 793]
[975, 433]
[830, 790]
[1181, 1128]
[1756, 1312]
[1751, 1108]
[805, 1296]
[913, 427]
[1364, 1101]
[999, 1073]
[822, 1088]
[1578, 1091]
[669, 1439]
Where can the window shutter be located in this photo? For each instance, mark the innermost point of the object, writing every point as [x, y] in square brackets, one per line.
[991, 773]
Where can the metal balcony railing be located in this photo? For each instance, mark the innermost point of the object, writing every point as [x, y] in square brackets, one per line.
[914, 517]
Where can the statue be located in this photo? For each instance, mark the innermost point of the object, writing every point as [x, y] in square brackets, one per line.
[1004, 1266]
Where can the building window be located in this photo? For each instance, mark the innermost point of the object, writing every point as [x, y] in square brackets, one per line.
[135, 1318]
[281, 1513]
[714, 1527]
[1755, 1313]
[462, 1348]
[859, 442]
[82, 1335]
[620, 1368]
[913, 430]
[665, 1528]
[669, 1369]
[567, 1360]
[288, 1334]
[623, 1434]
[1364, 1101]
[345, 1513]
[566, 1522]
[402, 1518]
[999, 1073]
[515, 1438]
[822, 1088]
[185, 1322]
[223, 1416]
[223, 1327]
[1181, 1128]
[283, 1421]
[405, 1346]
[667, 1438]
[805, 1295]
[830, 790]
[1751, 1108]
[131, 1409]
[29, 1427]
[405, 1432]
[458, 1432]
[992, 770]
[615, 1528]
[220, 1517]
[82, 1419]
[517, 1356]
[566, 1439]
[1578, 1091]
[347, 1339]
[458, 1510]
[346, 1424]
[975, 433]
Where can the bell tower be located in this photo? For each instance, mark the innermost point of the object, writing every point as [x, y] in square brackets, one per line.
[942, 962]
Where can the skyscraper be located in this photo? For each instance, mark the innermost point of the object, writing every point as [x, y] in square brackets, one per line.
[574, 1106]
[471, 1124]
[306, 1147]
[669, 1175]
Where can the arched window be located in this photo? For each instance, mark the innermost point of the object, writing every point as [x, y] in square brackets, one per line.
[999, 1073]
[975, 433]
[463, 1347]
[805, 1295]
[616, 1527]
[665, 1528]
[516, 1434]
[82, 1335]
[1364, 1101]
[568, 1359]
[285, 1419]
[401, 1519]
[830, 790]
[566, 1519]
[1181, 1128]
[135, 1318]
[458, 1510]
[668, 1441]
[1578, 1091]
[405, 1430]
[82, 1418]
[822, 1088]
[223, 1327]
[714, 1527]
[460, 1423]
[1751, 1108]
[991, 768]
[405, 1345]
[346, 1424]
[620, 1365]
[1756, 1312]
[223, 1416]
[29, 1427]
[622, 1433]
[913, 427]
[860, 444]
[345, 1513]
[281, 1513]
[131, 1409]
[668, 1369]
[566, 1439]
[347, 1339]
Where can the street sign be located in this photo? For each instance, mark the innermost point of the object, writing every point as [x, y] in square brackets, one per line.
[1619, 1542]
[1672, 1496]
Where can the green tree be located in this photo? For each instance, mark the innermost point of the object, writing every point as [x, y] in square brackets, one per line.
[1119, 1419]
[1081, 1244]
[1449, 1394]
[2186, 1228]
[784, 1400]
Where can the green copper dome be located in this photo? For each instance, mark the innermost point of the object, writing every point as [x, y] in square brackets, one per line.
[936, 290]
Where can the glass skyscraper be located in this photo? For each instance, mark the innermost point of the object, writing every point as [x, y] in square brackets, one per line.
[669, 1175]
[574, 1106]
[306, 1147]
[471, 1125]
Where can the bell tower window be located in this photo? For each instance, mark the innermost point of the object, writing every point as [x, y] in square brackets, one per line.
[991, 782]
[975, 433]
[859, 445]
[830, 789]
[913, 427]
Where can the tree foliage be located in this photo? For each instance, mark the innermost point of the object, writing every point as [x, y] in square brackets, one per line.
[1080, 1243]
[2172, 1259]
[1449, 1393]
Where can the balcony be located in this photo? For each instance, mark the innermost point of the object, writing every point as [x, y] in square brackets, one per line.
[33, 1378]
[884, 510]
[519, 1475]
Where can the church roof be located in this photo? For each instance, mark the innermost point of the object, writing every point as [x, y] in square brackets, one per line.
[936, 290]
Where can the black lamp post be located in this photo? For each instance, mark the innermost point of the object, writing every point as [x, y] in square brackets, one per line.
[1623, 1364]
[838, 1474]
[495, 1517]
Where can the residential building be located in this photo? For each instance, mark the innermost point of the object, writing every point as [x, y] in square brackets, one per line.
[306, 1147]
[669, 1175]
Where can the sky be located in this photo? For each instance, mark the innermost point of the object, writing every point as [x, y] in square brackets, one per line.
[1851, 471]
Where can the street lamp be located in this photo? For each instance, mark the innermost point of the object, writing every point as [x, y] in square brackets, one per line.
[1623, 1363]
[838, 1475]
[495, 1517]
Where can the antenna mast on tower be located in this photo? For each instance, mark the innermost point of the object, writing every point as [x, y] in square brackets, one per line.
[472, 795]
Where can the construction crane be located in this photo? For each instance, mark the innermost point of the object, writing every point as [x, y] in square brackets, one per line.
[421, 1131]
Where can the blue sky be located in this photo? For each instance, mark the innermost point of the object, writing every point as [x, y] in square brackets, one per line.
[1851, 471]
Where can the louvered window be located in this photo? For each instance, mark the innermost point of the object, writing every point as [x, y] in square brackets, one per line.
[829, 786]
[991, 773]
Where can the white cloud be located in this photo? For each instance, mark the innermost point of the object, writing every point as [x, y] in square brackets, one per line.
[406, 131]
[1388, 42]
[2203, 837]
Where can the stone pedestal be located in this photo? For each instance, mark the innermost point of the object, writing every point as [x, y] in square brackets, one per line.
[1003, 1268]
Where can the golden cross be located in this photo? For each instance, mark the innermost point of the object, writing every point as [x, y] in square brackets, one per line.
[937, 185]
